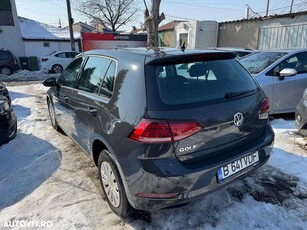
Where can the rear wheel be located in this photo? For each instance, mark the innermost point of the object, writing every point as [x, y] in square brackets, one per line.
[57, 68]
[112, 186]
[5, 71]
[54, 123]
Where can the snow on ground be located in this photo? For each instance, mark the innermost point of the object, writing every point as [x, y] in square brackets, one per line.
[44, 176]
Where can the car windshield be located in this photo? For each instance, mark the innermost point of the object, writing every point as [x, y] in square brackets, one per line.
[202, 81]
[257, 62]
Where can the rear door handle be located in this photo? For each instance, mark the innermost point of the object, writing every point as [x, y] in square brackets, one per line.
[92, 111]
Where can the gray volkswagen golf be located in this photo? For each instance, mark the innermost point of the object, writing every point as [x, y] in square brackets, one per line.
[164, 126]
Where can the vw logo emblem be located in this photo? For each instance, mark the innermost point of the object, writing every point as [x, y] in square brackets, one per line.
[238, 119]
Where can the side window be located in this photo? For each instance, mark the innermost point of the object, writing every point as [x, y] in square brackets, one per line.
[301, 66]
[4, 55]
[108, 81]
[73, 54]
[298, 62]
[60, 55]
[70, 74]
[93, 73]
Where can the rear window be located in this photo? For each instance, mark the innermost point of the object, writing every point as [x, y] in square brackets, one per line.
[198, 82]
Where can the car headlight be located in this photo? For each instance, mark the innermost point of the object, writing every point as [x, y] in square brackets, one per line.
[4, 105]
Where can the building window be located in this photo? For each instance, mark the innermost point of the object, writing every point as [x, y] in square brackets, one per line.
[46, 44]
[6, 15]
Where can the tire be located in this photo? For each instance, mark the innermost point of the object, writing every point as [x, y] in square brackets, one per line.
[5, 71]
[54, 123]
[112, 186]
[57, 68]
[13, 131]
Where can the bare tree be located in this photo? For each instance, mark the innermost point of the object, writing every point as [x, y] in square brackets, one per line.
[152, 22]
[112, 14]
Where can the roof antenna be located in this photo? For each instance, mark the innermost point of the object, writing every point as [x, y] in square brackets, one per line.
[183, 47]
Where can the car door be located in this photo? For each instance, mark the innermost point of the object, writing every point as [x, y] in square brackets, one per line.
[94, 91]
[64, 106]
[288, 90]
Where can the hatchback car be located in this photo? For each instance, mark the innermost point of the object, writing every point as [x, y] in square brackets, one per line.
[8, 62]
[301, 114]
[8, 121]
[282, 74]
[57, 61]
[158, 138]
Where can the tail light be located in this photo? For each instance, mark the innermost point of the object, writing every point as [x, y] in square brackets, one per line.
[265, 107]
[44, 59]
[159, 131]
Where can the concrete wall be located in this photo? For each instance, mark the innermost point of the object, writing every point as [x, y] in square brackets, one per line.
[239, 34]
[36, 48]
[10, 37]
[166, 38]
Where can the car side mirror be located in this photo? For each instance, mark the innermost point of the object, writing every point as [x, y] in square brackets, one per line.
[49, 82]
[287, 72]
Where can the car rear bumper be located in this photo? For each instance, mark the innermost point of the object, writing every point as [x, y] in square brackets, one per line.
[8, 121]
[182, 183]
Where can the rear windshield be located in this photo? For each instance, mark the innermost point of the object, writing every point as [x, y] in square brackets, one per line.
[198, 82]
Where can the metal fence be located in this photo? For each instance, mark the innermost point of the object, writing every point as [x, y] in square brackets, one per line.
[283, 36]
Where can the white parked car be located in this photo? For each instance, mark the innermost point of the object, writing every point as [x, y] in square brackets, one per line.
[57, 61]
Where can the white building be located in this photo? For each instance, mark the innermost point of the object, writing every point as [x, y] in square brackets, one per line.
[196, 34]
[10, 34]
[41, 39]
[25, 37]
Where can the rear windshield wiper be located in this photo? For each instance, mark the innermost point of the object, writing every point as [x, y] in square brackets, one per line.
[230, 95]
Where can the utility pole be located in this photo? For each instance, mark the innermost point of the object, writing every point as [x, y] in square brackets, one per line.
[267, 8]
[70, 22]
[292, 1]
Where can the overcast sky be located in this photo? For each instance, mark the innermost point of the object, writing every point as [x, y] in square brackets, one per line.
[50, 11]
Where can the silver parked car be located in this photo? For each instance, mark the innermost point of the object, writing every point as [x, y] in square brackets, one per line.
[282, 74]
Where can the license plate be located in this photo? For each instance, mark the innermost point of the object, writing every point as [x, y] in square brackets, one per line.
[237, 166]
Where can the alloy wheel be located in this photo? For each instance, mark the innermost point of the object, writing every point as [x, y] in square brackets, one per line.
[110, 185]
[5, 71]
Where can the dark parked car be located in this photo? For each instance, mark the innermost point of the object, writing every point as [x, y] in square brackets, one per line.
[8, 62]
[8, 121]
[158, 138]
[301, 114]
[4, 92]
